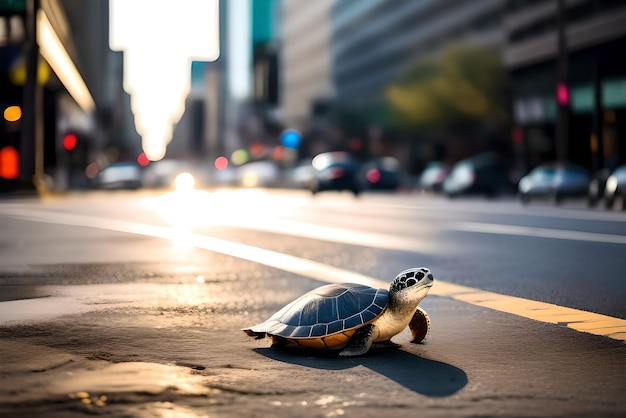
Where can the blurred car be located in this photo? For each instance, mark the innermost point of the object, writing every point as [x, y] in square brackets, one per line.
[120, 176]
[481, 174]
[597, 184]
[162, 173]
[433, 176]
[335, 170]
[382, 173]
[616, 187]
[554, 180]
[302, 175]
[258, 174]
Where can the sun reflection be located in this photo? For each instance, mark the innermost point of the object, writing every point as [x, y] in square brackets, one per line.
[187, 209]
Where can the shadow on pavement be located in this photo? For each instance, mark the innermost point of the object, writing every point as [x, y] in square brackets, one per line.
[421, 375]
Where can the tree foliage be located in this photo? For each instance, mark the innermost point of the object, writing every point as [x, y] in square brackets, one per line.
[465, 86]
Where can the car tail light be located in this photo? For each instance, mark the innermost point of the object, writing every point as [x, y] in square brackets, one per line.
[337, 172]
[373, 175]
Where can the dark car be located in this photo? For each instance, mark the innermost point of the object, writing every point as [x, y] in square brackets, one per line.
[616, 187]
[555, 181]
[597, 184]
[120, 176]
[382, 173]
[433, 176]
[336, 170]
[481, 174]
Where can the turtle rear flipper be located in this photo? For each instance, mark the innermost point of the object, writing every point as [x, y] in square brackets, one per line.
[256, 334]
[419, 325]
[360, 342]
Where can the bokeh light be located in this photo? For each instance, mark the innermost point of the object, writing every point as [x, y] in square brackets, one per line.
[184, 182]
[9, 163]
[240, 156]
[12, 113]
[143, 159]
[221, 163]
[69, 141]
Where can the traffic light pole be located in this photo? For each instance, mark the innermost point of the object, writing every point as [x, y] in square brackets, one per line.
[31, 146]
[562, 121]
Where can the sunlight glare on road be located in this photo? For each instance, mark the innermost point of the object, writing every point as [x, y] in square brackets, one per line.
[186, 208]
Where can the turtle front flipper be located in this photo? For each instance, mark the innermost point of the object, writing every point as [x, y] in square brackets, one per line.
[360, 342]
[419, 325]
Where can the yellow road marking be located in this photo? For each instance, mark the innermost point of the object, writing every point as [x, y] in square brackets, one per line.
[589, 322]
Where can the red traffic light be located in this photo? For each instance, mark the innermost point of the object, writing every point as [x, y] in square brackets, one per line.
[562, 94]
[9, 163]
[69, 142]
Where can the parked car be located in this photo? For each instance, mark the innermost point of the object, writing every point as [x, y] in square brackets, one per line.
[120, 176]
[336, 170]
[554, 180]
[616, 187]
[597, 184]
[481, 174]
[433, 176]
[302, 175]
[382, 173]
[259, 174]
[162, 173]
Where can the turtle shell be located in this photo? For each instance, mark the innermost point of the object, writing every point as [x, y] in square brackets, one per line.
[325, 317]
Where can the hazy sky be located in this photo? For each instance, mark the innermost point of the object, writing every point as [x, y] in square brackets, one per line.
[160, 38]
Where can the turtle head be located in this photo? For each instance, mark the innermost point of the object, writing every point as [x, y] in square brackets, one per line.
[410, 286]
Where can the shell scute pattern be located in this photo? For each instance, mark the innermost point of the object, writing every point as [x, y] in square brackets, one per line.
[301, 332]
[327, 310]
[330, 309]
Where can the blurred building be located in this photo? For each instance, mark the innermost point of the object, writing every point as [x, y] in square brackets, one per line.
[265, 121]
[208, 126]
[305, 64]
[193, 138]
[375, 42]
[232, 105]
[568, 79]
[77, 109]
[338, 57]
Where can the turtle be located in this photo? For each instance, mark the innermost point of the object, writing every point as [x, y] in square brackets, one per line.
[350, 317]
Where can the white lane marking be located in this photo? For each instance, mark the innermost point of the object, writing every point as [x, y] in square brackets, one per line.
[395, 242]
[507, 209]
[588, 322]
[335, 234]
[488, 228]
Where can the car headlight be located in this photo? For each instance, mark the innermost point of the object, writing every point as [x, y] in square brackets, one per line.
[611, 184]
[184, 182]
[524, 185]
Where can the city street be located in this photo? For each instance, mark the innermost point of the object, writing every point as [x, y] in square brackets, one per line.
[131, 304]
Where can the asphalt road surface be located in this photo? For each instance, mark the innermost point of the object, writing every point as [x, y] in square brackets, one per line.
[132, 304]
